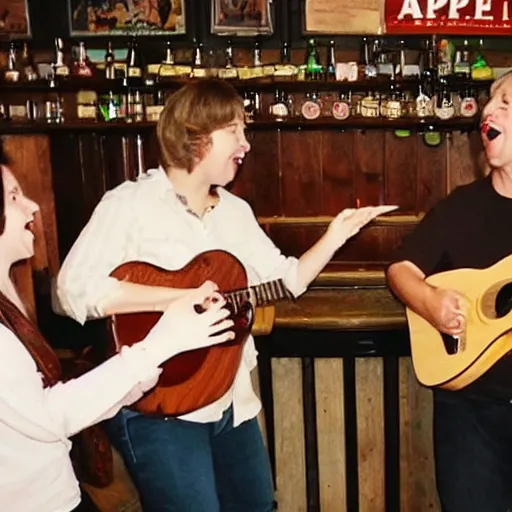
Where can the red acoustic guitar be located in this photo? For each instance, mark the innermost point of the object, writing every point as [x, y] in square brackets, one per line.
[199, 377]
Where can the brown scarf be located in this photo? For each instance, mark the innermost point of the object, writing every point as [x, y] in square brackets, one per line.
[92, 454]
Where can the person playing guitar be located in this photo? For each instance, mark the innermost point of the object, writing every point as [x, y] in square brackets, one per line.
[471, 228]
[212, 458]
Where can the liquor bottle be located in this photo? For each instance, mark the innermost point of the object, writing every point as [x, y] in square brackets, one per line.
[60, 68]
[312, 106]
[134, 65]
[110, 63]
[198, 68]
[341, 108]
[285, 69]
[54, 111]
[135, 107]
[229, 70]
[314, 69]
[331, 62]
[462, 66]
[87, 105]
[155, 105]
[27, 64]
[278, 108]
[256, 55]
[367, 68]
[444, 108]
[109, 106]
[393, 106]
[468, 103]
[423, 103]
[167, 66]
[12, 73]
[82, 66]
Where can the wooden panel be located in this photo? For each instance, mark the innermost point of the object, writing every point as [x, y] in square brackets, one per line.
[337, 172]
[369, 167]
[400, 171]
[464, 159]
[431, 175]
[418, 491]
[331, 433]
[301, 169]
[370, 434]
[289, 435]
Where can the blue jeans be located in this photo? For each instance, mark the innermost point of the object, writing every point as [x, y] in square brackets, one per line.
[181, 466]
[473, 453]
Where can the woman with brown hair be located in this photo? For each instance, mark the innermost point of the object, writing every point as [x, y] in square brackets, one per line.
[39, 412]
[212, 458]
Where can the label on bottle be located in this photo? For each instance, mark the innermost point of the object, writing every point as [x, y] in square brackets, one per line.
[446, 111]
[61, 70]
[153, 112]
[423, 105]
[369, 107]
[340, 110]
[279, 110]
[393, 109]
[17, 112]
[166, 70]
[134, 72]
[86, 111]
[12, 75]
[310, 109]
[468, 107]
[199, 73]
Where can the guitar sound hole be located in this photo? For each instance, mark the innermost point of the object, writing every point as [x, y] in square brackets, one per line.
[503, 303]
[451, 344]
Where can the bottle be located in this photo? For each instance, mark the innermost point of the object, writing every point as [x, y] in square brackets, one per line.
[367, 68]
[167, 66]
[341, 108]
[155, 105]
[468, 103]
[312, 106]
[314, 69]
[331, 62]
[423, 104]
[135, 106]
[110, 60]
[54, 112]
[27, 64]
[198, 69]
[60, 69]
[82, 66]
[229, 70]
[444, 108]
[134, 63]
[393, 108]
[278, 108]
[12, 73]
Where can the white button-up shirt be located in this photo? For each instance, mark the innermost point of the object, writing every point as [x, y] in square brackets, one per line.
[145, 221]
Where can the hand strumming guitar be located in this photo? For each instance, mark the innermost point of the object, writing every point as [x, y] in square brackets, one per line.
[182, 328]
[446, 311]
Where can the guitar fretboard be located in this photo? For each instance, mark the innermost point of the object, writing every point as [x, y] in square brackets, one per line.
[260, 294]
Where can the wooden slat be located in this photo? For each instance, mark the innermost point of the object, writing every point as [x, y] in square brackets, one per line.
[464, 159]
[370, 434]
[289, 435]
[431, 175]
[331, 433]
[417, 489]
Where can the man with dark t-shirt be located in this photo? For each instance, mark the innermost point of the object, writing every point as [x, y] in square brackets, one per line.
[472, 227]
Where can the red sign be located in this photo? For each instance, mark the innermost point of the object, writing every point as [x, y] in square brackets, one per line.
[468, 17]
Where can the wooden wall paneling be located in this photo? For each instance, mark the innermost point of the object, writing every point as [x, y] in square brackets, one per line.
[151, 149]
[31, 165]
[259, 179]
[301, 172]
[337, 172]
[370, 434]
[417, 481]
[369, 167]
[331, 433]
[400, 171]
[119, 159]
[289, 435]
[431, 175]
[465, 163]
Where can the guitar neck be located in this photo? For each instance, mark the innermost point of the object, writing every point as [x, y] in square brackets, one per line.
[260, 294]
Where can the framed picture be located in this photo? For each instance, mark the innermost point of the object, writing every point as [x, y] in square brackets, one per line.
[14, 18]
[241, 17]
[126, 17]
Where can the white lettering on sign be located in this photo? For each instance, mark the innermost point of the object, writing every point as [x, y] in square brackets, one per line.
[482, 9]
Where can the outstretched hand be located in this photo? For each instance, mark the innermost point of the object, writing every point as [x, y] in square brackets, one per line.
[350, 221]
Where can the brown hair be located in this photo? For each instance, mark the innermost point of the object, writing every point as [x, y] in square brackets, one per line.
[189, 117]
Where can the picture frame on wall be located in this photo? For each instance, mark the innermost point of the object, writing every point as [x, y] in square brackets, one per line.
[126, 17]
[14, 19]
[241, 17]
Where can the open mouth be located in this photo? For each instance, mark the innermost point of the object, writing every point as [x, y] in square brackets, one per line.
[238, 160]
[490, 131]
[29, 226]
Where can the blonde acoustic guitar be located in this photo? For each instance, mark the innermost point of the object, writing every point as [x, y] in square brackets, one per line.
[443, 361]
